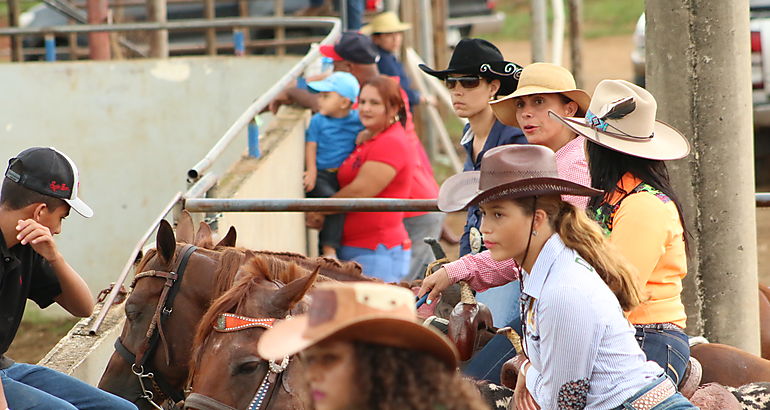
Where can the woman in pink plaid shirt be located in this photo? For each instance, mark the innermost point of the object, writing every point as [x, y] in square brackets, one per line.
[542, 87]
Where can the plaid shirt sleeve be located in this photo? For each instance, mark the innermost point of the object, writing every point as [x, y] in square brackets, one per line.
[482, 272]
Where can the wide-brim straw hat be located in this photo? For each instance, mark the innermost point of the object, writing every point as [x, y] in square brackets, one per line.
[540, 78]
[385, 22]
[622, 118]
[366, 312]
[476, 56]
[510, 171]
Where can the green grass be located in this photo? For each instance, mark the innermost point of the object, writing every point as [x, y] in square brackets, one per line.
[600, 18]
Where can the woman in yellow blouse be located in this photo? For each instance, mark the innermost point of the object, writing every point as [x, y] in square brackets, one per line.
[626, 149]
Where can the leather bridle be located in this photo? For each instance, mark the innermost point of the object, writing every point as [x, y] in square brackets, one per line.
[140, 365]
[229, 322]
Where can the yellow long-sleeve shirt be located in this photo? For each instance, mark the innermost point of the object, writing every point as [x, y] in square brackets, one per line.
[647, 231]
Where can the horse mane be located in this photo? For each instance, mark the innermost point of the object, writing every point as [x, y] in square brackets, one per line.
[255, 271]
[332, 268]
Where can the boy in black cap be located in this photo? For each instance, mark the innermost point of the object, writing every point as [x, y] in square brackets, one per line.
[38, 191]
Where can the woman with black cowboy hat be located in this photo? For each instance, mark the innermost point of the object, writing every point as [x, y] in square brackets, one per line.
[579, 351]
[639, 211]
[477, 73]
[363, 349]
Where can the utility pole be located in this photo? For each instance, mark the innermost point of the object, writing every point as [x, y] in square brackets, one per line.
[576, 40]
[156, 11]
[699, 69]
[98, 43]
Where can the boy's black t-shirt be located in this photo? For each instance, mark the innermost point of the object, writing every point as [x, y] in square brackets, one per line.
[23, 274]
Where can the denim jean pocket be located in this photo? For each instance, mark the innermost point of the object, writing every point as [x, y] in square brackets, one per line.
[676, 362]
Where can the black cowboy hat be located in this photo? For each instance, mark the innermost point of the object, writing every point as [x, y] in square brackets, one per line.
[477, 56]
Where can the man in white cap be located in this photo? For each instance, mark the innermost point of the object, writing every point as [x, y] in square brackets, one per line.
[38, 191]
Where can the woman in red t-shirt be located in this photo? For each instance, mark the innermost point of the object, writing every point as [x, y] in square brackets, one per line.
[381, 167]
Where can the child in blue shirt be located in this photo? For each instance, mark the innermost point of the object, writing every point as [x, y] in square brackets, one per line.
[329, 139]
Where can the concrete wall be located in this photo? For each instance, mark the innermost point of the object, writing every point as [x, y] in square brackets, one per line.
[134, 128]
[277, 174]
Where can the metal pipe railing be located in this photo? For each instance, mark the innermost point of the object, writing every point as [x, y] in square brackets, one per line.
[763, 199]
[257, 106]
[110, 299]
[311, 205]
[192, 24]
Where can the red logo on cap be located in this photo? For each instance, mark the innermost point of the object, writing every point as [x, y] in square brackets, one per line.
[58, 187]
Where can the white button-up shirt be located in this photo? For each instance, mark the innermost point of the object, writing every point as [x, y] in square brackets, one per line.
[579, 343]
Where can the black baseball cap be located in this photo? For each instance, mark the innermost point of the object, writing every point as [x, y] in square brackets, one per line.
[354, 47]
[49, 172]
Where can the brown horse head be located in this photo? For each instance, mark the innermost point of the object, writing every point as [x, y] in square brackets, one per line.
[227, 368]
[207, 274]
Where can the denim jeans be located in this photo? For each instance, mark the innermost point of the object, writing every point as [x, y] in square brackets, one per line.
[390, 265]
[326, 185]
[503, 302]
[487, 363]
[675, 402]
[29, 386]
[670, 349]
[419, 227]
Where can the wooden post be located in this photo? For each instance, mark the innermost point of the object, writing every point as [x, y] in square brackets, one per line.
[280, 32]
[14, 10]
[156, 11]
[243, 11]
[440, 48]
[98, 43]
[576, 40]
[209, 12]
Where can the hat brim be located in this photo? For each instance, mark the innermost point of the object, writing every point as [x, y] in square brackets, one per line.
[329, 51]
[80, 207]
[505, 107]
[461, 190]
[398, 28]
[508, 83]
[667, 143]
[287, 337]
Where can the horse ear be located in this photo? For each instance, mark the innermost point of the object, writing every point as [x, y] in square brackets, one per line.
[229, 239]
[185, 230]
[165, 241]
[288, 296]
[203, 237]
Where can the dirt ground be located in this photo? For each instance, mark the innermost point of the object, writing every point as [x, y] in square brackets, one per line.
[35, 339]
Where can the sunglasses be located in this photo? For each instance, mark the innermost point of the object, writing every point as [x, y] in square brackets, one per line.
[466, 82]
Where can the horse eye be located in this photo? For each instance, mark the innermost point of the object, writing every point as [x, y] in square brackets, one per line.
[247, 367]
[132, 313]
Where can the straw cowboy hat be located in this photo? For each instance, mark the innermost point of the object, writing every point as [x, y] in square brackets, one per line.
[513, 171]
[366, 312]
[540, 78]
[480, 57]
[622, 118]
[386, 22]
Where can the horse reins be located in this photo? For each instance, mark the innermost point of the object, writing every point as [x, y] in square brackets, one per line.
[228, 322]
[139, 362]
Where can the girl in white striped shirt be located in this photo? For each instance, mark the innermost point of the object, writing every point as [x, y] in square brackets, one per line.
[580, 350]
